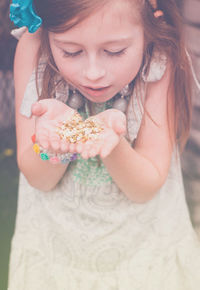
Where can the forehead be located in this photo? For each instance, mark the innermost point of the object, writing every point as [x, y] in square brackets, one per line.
[119, 10]
[114, 17]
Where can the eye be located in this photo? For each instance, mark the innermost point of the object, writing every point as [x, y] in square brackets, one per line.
[115, 53]
[71, 54]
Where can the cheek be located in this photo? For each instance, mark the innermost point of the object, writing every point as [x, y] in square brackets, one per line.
[68, 71]
[130, 68]
[135, 61]
[64, 66]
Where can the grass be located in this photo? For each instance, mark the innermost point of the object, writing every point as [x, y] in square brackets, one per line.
[8, 199]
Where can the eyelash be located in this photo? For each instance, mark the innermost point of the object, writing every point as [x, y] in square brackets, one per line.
[110, 53]
[116, 53]
[71, 54]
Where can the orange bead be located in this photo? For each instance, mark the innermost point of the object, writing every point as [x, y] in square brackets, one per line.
[158, 13]
[33, 138]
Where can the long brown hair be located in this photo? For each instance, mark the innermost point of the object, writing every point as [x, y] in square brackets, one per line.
[166, 34]
[163, 33]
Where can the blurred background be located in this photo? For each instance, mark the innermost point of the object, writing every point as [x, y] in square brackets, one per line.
[8, 167]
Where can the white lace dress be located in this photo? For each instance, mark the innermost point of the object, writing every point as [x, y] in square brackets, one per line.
[87, 235]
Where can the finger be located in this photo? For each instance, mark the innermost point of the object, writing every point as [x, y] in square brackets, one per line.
[94, 151]
[42, 138]
[117, 122]
[95, 147]
[119, 127]
[38, 109]
[91, 148]
[72, 147]
[85, 149]
[88, 145]
[64, 146]
[79, 147]
[84, 154]
[54, 140]
[43, 141]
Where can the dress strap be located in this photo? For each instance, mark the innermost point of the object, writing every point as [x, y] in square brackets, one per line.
[31, 92]
[197, 83]
[156, 69]
[18, 32]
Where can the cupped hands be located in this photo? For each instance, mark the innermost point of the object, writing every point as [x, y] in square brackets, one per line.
[50, 115]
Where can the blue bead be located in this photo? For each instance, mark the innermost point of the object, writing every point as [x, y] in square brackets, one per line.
[65, 160]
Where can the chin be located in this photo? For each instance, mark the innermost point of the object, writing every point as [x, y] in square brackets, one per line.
[100, 98]
[97, 96]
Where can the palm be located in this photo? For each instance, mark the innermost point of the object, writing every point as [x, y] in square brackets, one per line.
[50, 114]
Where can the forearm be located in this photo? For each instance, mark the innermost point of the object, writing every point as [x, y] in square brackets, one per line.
[40, 174]
[135, 175]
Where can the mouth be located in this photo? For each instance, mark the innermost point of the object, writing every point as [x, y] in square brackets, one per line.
[95, 92]
[96, 89]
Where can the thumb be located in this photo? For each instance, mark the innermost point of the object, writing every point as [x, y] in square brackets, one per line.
[118, 123]
[119, 127]
[38, 109]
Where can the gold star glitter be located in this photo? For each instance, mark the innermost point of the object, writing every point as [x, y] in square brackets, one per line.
[77, 130]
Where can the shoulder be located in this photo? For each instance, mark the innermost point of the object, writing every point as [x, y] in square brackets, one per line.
[25, 62]
[26, 56]
[158, 83]
[159, 98]
[160, 89]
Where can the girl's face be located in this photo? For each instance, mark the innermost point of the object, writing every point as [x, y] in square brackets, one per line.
[103, 53]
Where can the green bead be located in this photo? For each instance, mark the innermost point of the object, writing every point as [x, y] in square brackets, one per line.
[44, 156]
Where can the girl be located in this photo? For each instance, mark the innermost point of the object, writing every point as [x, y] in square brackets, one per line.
[101, 200]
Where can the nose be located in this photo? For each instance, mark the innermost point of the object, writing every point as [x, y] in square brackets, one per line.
[93, 70]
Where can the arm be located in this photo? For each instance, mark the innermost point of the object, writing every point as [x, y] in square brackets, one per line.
[39, 174]
[142, 170]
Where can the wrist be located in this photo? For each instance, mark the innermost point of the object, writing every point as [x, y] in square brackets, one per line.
[116, 149]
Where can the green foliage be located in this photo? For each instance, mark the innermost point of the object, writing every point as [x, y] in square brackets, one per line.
[8, 199]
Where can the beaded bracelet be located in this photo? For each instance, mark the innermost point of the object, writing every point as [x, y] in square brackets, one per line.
[54, 158]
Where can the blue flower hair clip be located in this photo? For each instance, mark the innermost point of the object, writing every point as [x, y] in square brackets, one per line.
[23, 14]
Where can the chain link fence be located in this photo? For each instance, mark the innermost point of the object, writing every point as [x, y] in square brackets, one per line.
[7, 48]
[7, 104]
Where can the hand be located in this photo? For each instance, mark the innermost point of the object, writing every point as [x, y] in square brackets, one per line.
[114, 125]
[50, 113]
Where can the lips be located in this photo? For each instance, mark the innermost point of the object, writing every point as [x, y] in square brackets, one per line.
[95, 92]
[96, 89]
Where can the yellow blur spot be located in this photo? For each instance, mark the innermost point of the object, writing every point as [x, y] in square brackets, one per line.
[8, 152]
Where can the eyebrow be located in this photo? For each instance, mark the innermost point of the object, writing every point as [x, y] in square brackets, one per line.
[114, 41]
